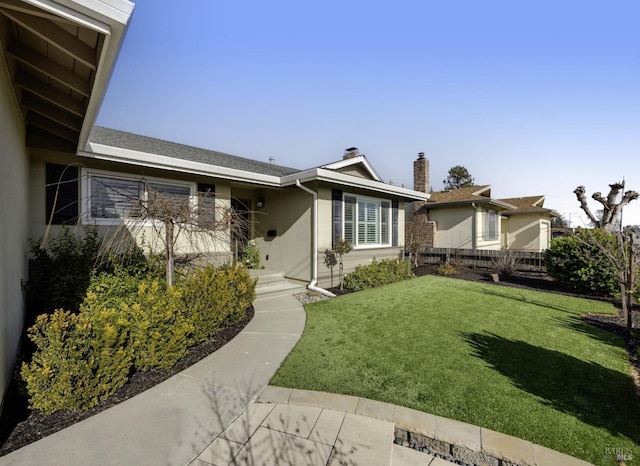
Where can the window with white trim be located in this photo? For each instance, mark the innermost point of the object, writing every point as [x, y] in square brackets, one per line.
[113, 196]
[490, 229]
[367, 221]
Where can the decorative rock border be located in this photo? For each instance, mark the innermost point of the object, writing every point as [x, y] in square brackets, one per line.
[452, 440]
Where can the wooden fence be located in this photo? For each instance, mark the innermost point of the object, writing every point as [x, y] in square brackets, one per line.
[527, 260]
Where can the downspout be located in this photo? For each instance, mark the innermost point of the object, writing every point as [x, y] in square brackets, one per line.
[474, 227]
[314, 232]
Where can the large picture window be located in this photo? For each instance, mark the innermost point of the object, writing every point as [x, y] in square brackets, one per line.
[367, 221]
[112, 196]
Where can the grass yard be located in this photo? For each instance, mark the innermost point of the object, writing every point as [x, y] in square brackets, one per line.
[516, 361]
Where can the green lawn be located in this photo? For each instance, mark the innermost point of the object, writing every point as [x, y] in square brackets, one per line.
[516, 361]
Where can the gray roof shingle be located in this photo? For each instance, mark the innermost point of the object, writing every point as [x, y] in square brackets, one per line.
[136, 142]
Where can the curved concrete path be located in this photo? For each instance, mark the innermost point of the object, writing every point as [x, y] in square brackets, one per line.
[219, 412]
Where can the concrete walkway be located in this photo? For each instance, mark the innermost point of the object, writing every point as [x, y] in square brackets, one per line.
[219, 412]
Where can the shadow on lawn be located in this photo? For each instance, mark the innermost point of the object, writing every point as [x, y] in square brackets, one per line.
[605, 329]
[524, 298]
[592, 393]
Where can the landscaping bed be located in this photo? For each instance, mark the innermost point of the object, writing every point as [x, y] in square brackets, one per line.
[19, 426]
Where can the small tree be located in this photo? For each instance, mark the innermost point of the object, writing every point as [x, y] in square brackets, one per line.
[330, 261]
[458, 177]
[341, 248]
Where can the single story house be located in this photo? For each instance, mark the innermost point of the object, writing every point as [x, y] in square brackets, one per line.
[469, 218]
[57, 168]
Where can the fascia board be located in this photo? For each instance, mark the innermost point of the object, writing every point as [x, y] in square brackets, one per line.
[117, 154]
[486, 200]
[89, 13]
[329, 176]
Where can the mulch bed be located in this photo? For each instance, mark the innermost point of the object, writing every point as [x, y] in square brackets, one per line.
[19, 426]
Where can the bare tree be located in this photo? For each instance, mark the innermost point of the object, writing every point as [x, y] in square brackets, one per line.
[611, 209]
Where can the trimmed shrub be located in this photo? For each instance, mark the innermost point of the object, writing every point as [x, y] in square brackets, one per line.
[216, 296]
[577, 263]
[160, 328]
[80, 359]
[378, 273]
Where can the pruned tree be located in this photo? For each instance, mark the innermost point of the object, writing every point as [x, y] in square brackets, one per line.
[198, 224]
[458, 177]
[625, 255]
[611, 207]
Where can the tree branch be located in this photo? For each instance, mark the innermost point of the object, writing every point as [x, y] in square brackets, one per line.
[580, 194]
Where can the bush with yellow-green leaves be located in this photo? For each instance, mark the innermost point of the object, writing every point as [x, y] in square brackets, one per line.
[127, 323]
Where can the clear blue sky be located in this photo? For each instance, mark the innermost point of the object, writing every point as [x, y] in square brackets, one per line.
[532, 97]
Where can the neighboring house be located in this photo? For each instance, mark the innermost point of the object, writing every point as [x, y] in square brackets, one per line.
[469, 218]
[56, 167]
[528, 228]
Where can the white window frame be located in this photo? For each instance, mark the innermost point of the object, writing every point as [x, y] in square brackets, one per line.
[486, 225]
[86, 194]
[379, 202]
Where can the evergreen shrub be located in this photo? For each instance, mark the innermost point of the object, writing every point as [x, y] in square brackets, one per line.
[378, 273]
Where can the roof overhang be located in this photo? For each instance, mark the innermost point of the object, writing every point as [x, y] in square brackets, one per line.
[330, 176]
[471, 203]
[162, 162]
[60, 56]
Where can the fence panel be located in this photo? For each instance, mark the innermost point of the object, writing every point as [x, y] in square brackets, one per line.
[481, 258]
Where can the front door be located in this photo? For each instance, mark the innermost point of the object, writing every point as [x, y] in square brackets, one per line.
[240, 225]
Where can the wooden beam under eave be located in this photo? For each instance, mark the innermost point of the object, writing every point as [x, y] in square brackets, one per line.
[45, 65]
[38, 105]
[42, 139]
[48, 93]
[54, 35]
[51, 126]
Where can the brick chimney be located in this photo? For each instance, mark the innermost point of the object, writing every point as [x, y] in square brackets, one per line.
[350, 153]
[419, 230]
[421, 174]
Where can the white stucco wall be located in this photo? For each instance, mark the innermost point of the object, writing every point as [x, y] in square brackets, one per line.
[14, 198]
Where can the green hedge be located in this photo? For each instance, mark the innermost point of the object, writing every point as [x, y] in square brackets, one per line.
[81, 359]
[216, 296]
[127, 323]
[378, 273]
[578, 264]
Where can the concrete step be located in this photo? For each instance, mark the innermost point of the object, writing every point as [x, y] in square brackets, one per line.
[281, 288]
[266, 276]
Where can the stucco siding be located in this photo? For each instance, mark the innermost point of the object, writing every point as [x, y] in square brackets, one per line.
[14, 197]
[286, 212]
[455, 227]
[528, 232]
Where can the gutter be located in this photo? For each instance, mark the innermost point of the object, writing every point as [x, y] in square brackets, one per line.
[314, 232]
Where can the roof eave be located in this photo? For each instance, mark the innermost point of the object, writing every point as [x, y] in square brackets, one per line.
[329, 176]
[109, 17]
[117, 154]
